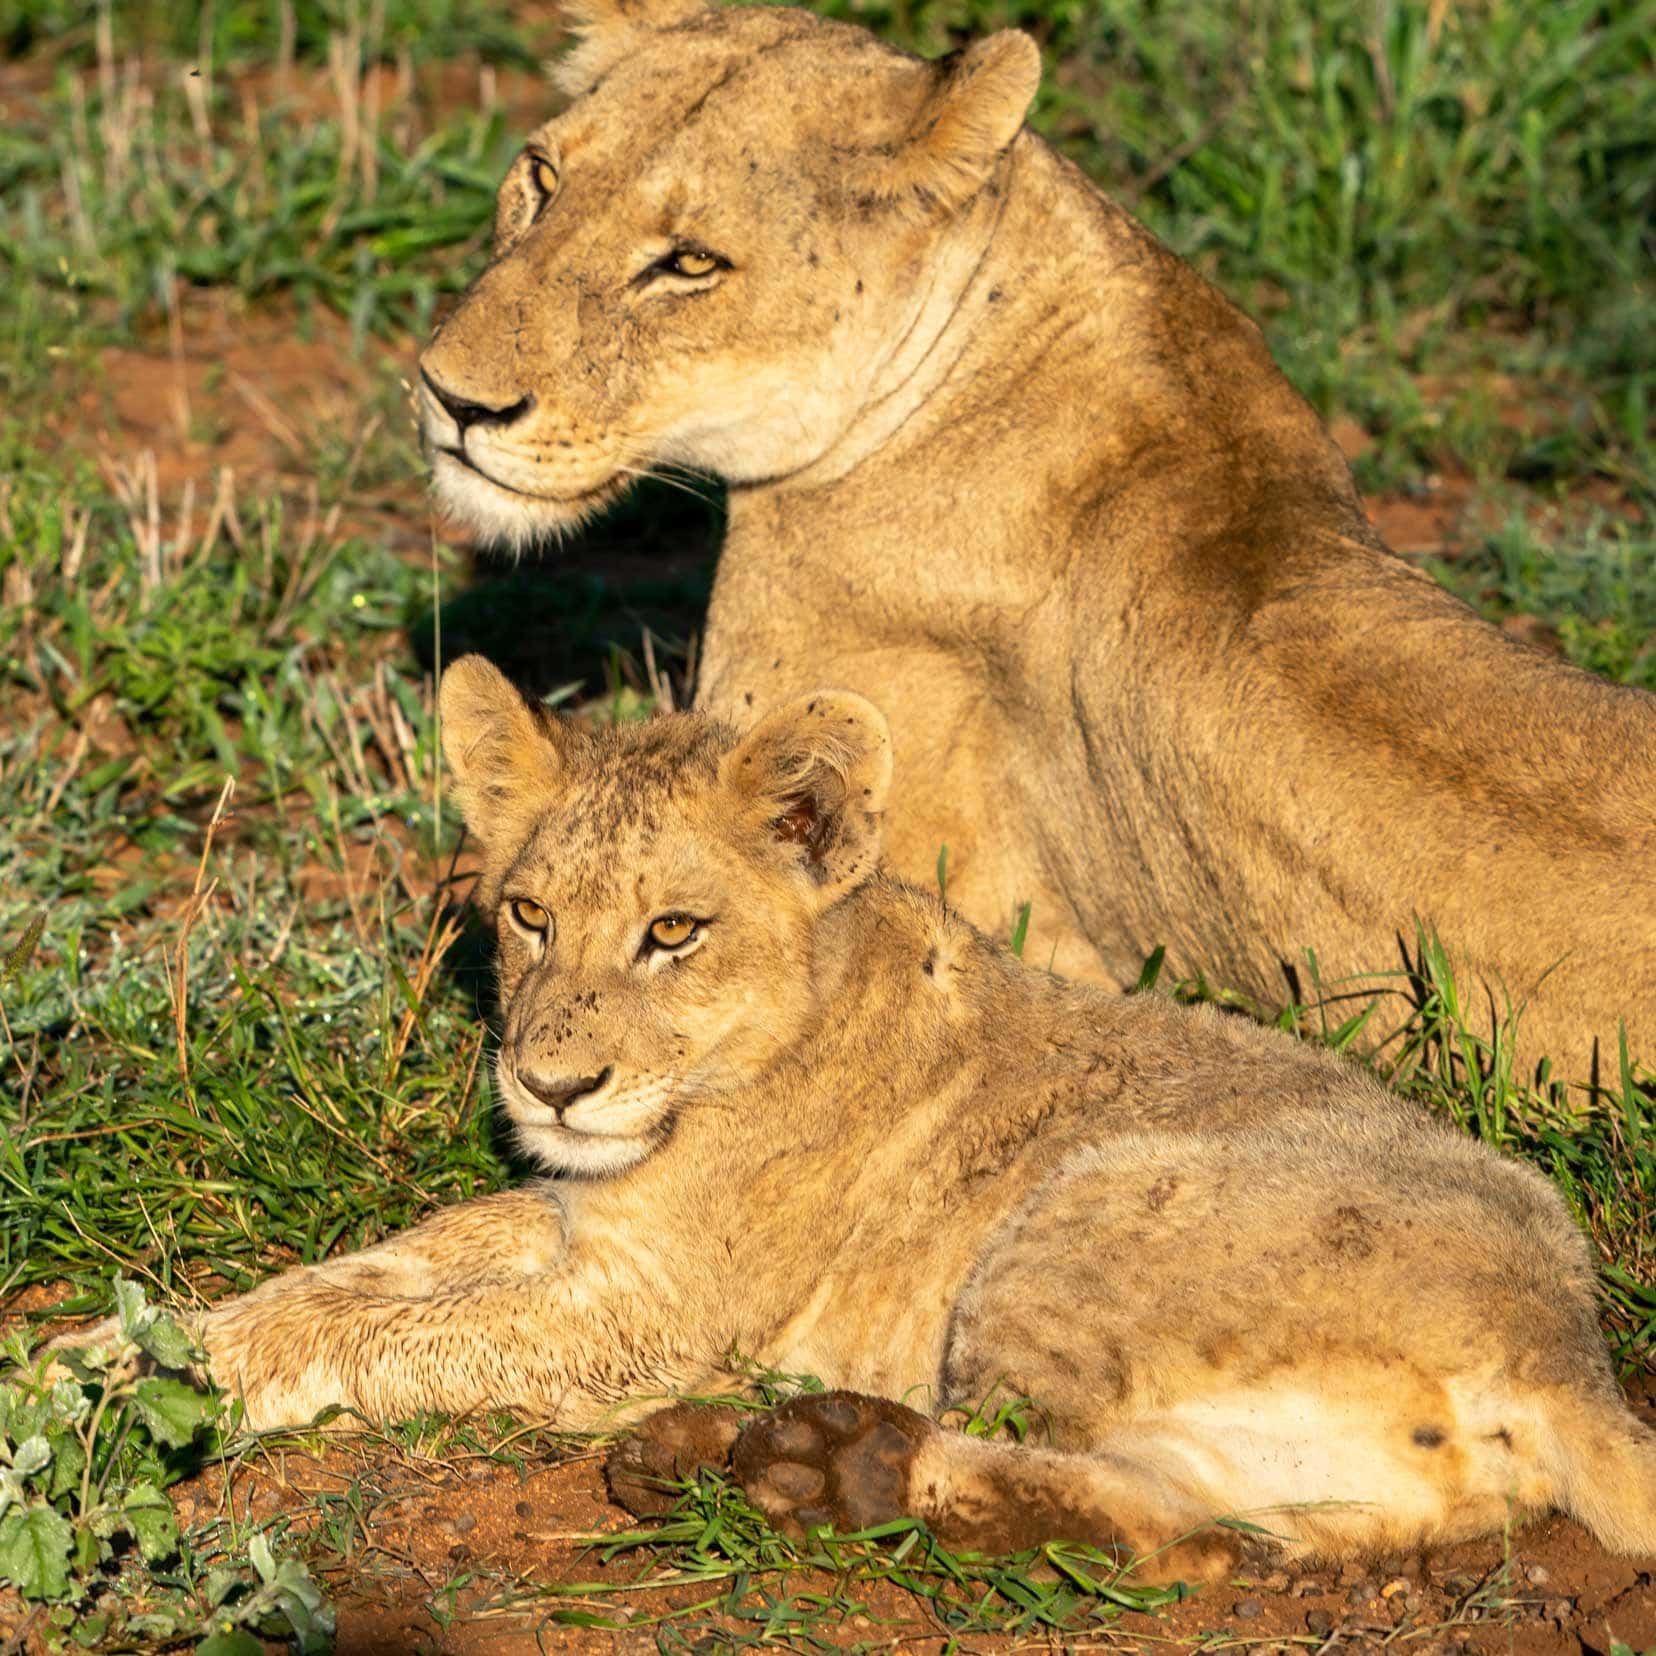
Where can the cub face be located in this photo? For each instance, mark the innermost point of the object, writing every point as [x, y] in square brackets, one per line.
[656, 890]
[709, 259]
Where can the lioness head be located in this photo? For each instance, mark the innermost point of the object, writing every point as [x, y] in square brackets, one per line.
[655, 890]
[715, 257]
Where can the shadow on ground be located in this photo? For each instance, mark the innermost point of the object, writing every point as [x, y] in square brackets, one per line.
[568, 621]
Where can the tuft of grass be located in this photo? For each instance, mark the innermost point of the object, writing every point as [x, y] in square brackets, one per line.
[1592, 584]
[215, 34]
[752, 1586]
[121, 194]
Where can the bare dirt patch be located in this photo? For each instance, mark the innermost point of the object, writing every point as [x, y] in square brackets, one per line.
[254, 388]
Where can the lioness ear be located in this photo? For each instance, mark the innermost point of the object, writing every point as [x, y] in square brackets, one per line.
[814, 775]
[500, 750]
[606, 30]
[975, 110]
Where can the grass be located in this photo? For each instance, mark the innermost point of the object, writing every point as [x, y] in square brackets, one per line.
[249, 1028]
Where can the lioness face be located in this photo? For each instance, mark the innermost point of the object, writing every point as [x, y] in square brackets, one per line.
[701, 263]
[656, 891]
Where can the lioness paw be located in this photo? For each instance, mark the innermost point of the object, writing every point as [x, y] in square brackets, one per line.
[669, 1446]
[836, 1458]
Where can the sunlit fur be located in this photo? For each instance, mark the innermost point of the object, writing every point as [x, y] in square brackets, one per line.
[1001, 462]
[851, 1136]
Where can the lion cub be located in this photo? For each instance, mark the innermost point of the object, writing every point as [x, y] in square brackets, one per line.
[797, 1108]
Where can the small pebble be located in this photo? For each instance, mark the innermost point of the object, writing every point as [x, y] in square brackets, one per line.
[524, 1510]
[1247, 1608]
[1537, 1575]
[1319, 1622]
[1361, 1593]
[465, 1523]
[459, 1551]
[1393, 1588]
[429, 1512]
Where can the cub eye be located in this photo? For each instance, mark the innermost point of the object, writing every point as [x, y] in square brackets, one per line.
[672, 931]
[545, 177]
[531, 916]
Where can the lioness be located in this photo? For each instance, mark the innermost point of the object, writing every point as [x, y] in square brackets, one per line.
[1004, 464]
[801, 1109]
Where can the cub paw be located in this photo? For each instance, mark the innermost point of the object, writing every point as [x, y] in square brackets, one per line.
[838, 1458]
[667, 1447]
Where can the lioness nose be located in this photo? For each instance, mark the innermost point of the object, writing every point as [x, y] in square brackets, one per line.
[558, 1093]
[466, 413]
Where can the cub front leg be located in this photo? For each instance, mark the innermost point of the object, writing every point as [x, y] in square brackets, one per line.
[563, 1348]
[490, 1239]
[496, 1239]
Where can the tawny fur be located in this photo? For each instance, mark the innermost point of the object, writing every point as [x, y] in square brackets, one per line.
[841, 1131]
[1003, 463]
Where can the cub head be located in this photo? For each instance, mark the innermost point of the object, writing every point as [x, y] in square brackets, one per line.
[656, 890]
[718, 255]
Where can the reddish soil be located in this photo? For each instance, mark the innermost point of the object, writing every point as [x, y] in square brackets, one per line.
[466, 1556]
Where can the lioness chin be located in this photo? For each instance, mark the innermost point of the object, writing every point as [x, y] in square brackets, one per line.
[1001, 462]
[799, 1109]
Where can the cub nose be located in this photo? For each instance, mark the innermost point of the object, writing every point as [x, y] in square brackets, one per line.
[559, 1092]
[466, 413]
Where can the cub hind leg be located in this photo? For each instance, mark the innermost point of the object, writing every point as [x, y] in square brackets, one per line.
[853, 1462]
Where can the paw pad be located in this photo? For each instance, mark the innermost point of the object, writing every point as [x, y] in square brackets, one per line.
[837, 1459]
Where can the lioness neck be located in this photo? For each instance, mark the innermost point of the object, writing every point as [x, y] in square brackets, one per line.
[1152, 671]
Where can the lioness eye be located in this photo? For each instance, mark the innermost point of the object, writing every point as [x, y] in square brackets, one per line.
[672, 931]
[545, 176]
[531, 916]
[690, 262]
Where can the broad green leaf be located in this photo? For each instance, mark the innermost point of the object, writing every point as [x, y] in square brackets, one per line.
[153, 1624]
[173, 1411]
[222, 1581]
[167, 1343]
[34, 1551]
[32, 1455]
[90, 1629]
[130, 1308]
[68, 1460]
[230, 1641]
[149, 1516]
[69, 1403]
[258, 1549]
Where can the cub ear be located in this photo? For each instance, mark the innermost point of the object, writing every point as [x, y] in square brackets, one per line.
[814, 774]
[976, 108]
[501, 750]
[606, 31]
